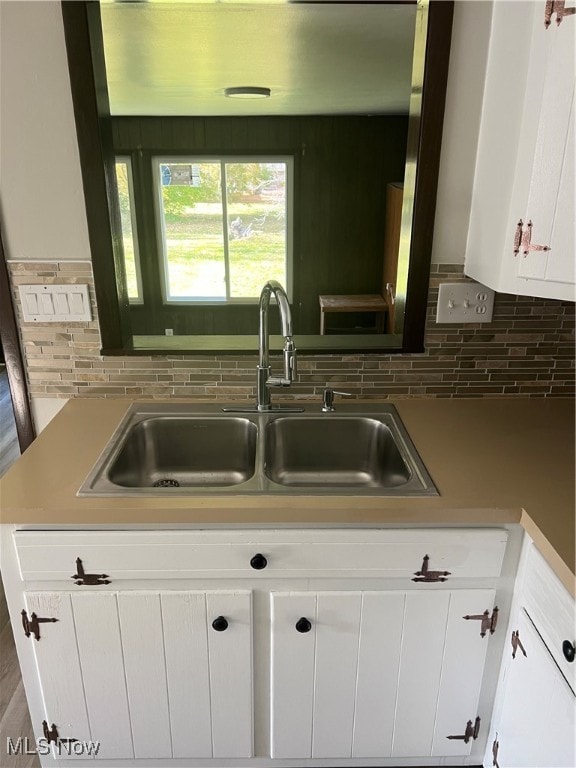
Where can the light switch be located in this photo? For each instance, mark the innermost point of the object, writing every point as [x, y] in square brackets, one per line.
[76, 303]
[46, 304]
[464, 302]
[62, 303]
[31, 300]
[55, 303]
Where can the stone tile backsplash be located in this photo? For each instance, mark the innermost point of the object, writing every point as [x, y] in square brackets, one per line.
[527, 350]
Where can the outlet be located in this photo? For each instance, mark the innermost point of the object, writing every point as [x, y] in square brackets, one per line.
[169, 331]
[464, 303]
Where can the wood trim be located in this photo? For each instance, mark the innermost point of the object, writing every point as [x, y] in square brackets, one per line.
[429, 143]
[85, 51]
[13, 356]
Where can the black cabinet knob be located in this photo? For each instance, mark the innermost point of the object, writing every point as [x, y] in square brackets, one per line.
[569, 650]
[220, 624]
[303, 625]
[258, 562]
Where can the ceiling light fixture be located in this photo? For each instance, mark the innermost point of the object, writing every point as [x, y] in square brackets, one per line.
[247, 92]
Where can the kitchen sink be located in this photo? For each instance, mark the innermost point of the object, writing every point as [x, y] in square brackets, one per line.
[172, 452]
[337, 451]
[170, 449]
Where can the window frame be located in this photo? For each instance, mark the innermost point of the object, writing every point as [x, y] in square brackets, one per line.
[157, 160]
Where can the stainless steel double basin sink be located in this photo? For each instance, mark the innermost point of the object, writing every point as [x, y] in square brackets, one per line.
[171, 449]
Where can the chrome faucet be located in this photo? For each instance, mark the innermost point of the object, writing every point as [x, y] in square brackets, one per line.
[265, 379]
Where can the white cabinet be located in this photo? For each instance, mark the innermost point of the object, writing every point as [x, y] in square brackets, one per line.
[267, 645]
[521, 236]
[375, 674]
[147, 674]
[537, 726]
[537, 711]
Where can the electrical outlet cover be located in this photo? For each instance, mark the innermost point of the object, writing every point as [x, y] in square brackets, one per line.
[464, 302]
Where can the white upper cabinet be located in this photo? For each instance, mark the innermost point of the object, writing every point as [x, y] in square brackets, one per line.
[521, 235]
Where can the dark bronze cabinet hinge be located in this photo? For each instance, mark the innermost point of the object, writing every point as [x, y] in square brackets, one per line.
[488, 621]
[495, 748]
[51, 734]
[523, 240]
[516, 643]
[471, 732]
[88, 579]
[557, 7]
[31, 625]
[424, 575]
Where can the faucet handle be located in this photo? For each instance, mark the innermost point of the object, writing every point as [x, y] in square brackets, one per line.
[278, 381]
[328, 399]
[290, 368]
[289, 377]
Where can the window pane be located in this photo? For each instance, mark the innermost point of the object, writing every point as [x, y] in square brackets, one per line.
[130, 260]
[256, 201]
[193, 230]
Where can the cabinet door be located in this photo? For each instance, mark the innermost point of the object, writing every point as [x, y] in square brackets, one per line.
[375, 674]
[550, 205]
[145, 673]
[525, 158]
[539, 712]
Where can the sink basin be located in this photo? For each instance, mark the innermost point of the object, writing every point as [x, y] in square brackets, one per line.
[184, 452]
[170, 449]
[336, 451]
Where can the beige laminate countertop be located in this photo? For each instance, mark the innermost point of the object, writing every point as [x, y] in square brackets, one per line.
[494, 462]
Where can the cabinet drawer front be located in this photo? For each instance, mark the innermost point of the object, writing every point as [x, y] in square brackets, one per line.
[116, 555]
[551, 609]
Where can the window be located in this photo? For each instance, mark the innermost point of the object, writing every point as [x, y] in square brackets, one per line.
[131, 257]
[223, 225]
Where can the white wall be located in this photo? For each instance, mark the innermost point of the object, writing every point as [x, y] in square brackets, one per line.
[44, 409]
[41, 195]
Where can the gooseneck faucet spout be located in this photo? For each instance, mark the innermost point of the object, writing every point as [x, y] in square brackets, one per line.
[265, 379]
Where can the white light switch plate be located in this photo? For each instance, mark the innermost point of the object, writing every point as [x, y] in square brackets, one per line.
[55, 303]
[464, 303]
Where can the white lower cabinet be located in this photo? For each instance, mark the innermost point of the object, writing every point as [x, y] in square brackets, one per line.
[538, 721]
[148, 674]
[375, 674]
[354, 674]
[535, 714]
[218, 648]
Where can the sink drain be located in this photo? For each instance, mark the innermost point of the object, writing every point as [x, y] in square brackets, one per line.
[166, 483]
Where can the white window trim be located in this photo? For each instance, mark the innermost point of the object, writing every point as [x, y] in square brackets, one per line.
[157, 161]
